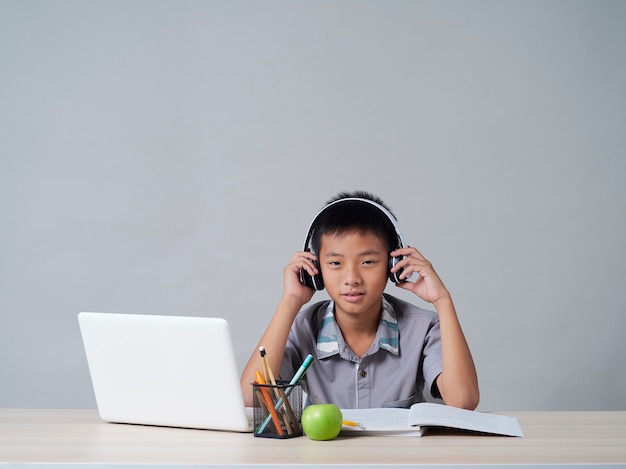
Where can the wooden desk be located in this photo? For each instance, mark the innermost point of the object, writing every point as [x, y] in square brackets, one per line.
[54, 437]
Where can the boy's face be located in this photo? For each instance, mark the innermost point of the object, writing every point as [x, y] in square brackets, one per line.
[354, 268]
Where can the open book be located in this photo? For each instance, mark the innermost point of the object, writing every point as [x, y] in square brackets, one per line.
[416, 420]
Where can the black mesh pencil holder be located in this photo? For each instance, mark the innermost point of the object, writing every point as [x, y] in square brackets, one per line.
[277, 410]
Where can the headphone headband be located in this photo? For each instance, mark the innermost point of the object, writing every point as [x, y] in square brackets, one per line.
[391, 218]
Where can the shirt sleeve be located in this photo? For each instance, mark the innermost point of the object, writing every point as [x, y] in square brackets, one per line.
[433, 363]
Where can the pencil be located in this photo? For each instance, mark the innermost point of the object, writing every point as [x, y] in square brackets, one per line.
[270, 405]
[349, 423]
[278, 392]
[269, 378]
[263, 405]
[267, 371]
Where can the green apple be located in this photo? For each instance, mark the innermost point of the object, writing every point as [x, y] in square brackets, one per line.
[321, 421]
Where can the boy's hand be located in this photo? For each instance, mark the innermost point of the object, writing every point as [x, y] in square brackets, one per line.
[292, 287]
[428, 286]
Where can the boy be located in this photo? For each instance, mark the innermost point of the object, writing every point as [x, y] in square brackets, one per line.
[371, 349]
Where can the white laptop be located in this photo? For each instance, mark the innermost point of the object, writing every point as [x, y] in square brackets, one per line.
[175, 371]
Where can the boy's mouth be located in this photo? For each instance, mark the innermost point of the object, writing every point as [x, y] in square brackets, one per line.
[353, 297]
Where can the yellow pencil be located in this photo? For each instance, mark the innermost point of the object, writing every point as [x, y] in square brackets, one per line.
[349, 423]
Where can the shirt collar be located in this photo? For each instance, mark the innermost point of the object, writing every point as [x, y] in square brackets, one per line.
[388, 334]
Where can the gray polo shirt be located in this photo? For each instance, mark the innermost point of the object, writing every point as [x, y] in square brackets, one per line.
[404, 358]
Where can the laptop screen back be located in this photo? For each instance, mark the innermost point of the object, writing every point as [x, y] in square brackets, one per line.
[175, 371]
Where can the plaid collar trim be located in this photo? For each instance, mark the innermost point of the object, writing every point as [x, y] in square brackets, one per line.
[388, 335]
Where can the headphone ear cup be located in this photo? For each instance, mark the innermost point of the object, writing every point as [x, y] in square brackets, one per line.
[314, 282]
[395, 276]
[318, 282]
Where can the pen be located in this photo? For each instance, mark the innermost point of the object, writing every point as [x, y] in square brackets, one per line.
[301, 371]
[297, 377]
[268, 400]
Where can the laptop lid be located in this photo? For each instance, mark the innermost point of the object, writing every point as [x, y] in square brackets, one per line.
[176, 371]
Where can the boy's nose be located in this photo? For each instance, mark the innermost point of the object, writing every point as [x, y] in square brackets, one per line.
[352, 276]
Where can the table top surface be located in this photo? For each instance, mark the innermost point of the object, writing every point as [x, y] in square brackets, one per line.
[79, 436]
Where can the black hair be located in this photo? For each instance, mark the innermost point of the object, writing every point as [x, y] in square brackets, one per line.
[354, 215]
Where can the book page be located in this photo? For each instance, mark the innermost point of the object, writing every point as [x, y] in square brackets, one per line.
[426, 414]
[379, 419]
[414, 421]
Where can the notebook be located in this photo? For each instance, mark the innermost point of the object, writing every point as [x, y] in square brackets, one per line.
[175, 371]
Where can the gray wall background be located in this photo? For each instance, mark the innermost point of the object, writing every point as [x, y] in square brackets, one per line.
[167, 157]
